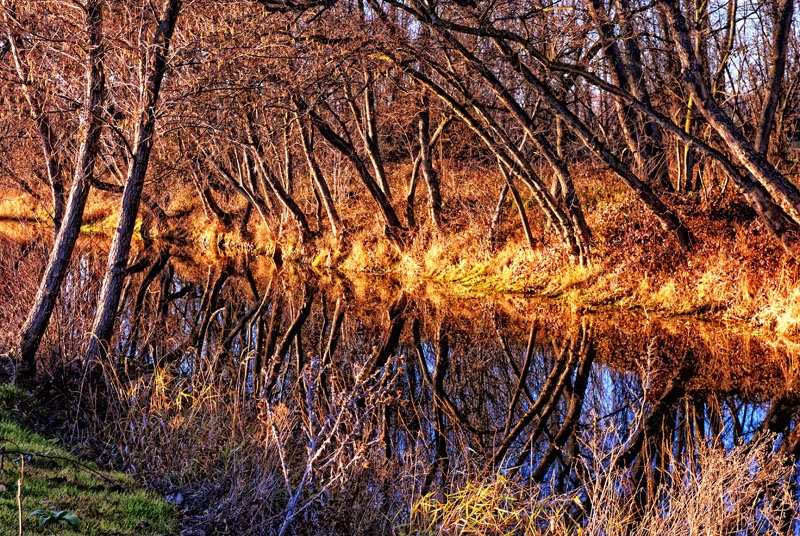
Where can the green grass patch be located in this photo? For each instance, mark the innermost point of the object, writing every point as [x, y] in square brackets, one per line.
[63, 495]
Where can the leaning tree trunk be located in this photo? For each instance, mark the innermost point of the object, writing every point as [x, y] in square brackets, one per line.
[307, 138]
[156, 59]
[58, 263]
[523, 217]
[506, 153]
[367, 126]
[346, 149]
[783, 192]
[270, 180]
[669, 220]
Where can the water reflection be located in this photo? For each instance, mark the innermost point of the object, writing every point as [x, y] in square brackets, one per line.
[422, 391]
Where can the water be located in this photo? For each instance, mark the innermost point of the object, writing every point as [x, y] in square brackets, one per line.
[357, 383]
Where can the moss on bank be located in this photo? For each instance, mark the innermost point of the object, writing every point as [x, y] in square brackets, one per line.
[56, 486]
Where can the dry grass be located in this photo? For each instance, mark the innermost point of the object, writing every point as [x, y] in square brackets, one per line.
[234, 456]
[711, 491]
[736, 271]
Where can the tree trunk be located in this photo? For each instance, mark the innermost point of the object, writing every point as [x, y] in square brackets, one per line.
[626, 72]
[372, 140]
[498, 214]
[347, 150]
[667, 218]
[507, 153]
[307, 138]
[47, 136]
[783, 192]
[271, 180]
[574, 230]
[523, 217]
[156, 61]
[782, 24]
[431, 177]
[58, 263]
[653, 139]
[412, 186]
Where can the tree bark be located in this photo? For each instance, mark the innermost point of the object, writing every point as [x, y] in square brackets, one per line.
[430, 175]
[307, 138]
[58, 262]
[783, 192]
[782, 24]
[156, 66]
[271, 180]
[347, 150]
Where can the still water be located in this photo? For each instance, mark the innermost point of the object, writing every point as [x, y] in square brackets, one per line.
[358, 390]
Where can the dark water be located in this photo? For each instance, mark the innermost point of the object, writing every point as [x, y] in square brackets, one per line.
[422, 391]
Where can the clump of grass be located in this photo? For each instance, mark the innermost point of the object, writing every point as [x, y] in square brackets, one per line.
[497, 506]
[54, 482]
[781, 312]
[710, 491]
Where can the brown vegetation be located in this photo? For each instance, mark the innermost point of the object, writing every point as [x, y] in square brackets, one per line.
[615, 155]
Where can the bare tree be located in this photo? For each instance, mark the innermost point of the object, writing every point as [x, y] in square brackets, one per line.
[154, 67]
[90, 128]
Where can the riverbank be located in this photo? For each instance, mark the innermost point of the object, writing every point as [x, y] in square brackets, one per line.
[48, 490]
[736, 271]
[186, 418]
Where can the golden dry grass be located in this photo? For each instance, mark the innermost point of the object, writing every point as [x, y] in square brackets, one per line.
[736, 271]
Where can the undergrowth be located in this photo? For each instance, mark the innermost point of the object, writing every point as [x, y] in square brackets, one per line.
[746, 490]
[63, 495]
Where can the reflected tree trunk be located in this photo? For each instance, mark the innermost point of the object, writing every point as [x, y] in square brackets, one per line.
[441, 459]
[577, 395]
[276, 358]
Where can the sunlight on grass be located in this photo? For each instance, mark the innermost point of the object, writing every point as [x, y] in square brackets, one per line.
[54, 481]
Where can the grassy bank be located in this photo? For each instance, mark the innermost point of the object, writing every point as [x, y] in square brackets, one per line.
[736, 271]
[62, 495]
